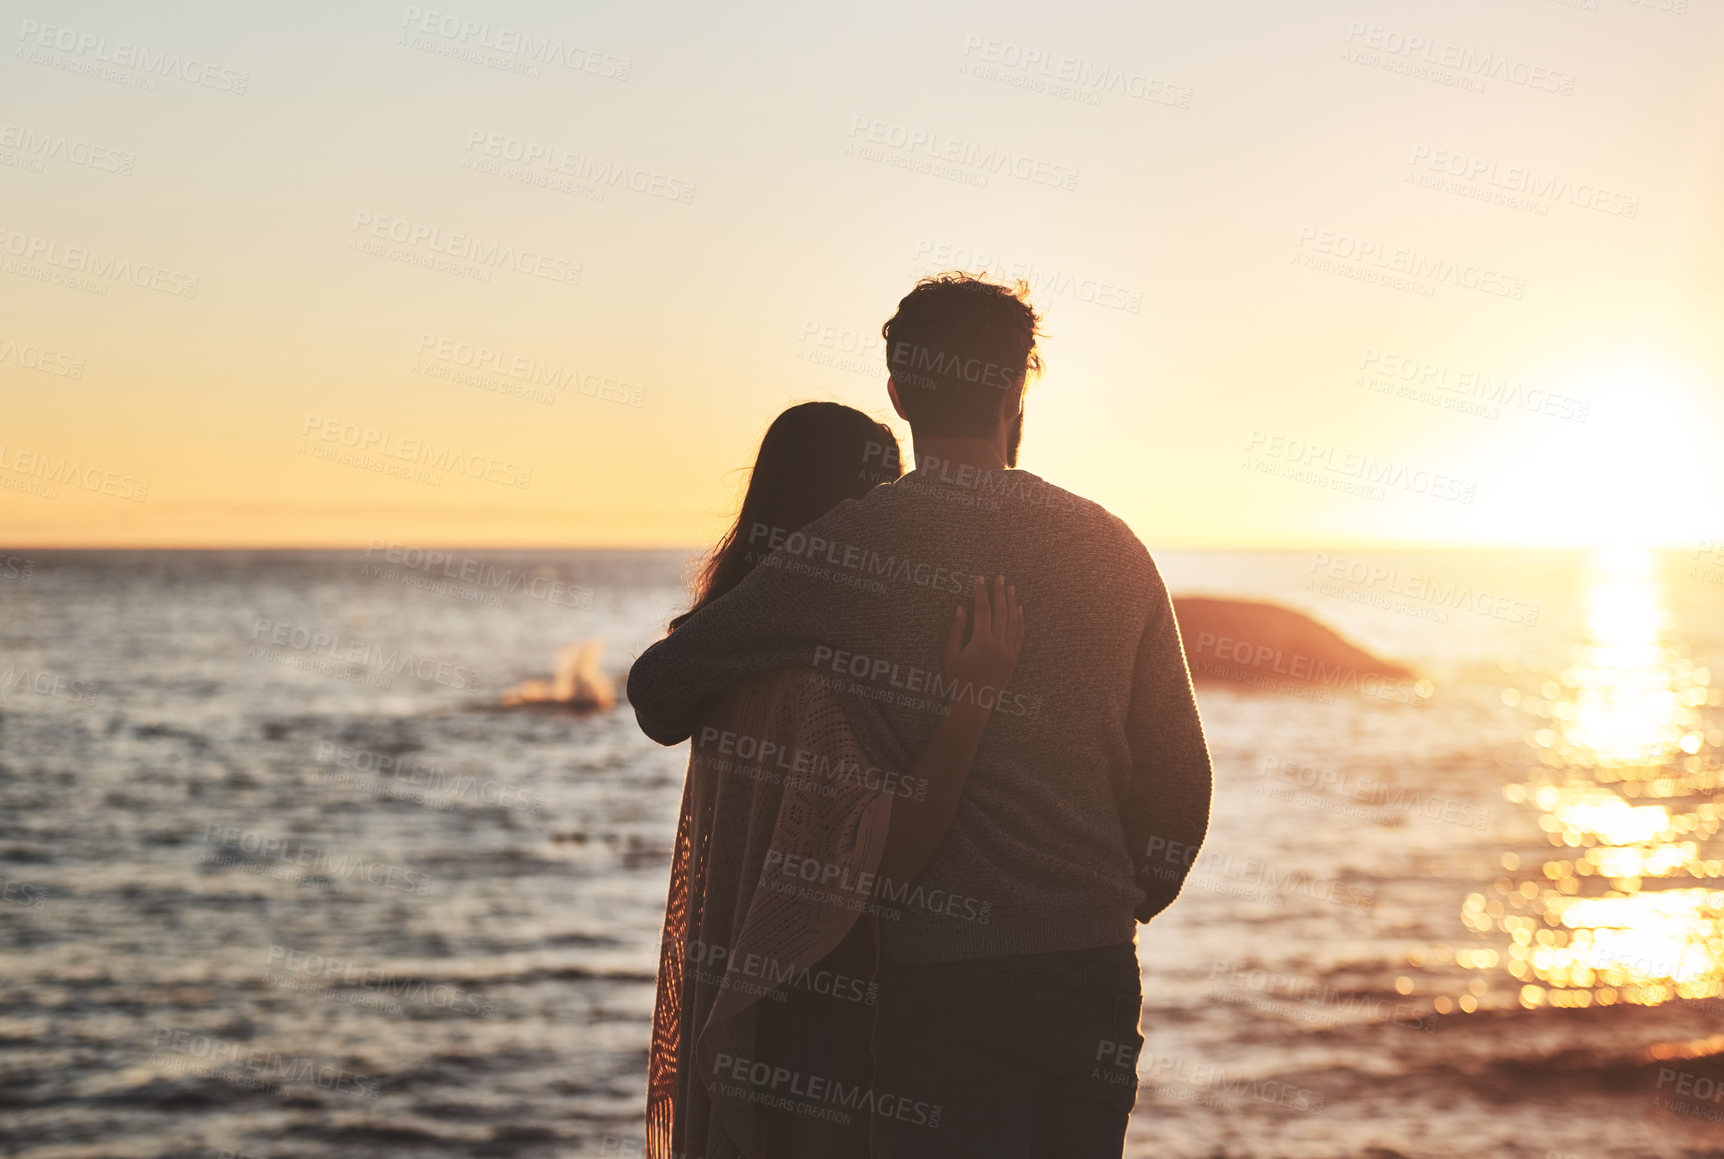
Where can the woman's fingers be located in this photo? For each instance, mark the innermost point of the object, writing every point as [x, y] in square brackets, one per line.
[1002, 614]
[984, 613]
[955, 638]
[1015, 635]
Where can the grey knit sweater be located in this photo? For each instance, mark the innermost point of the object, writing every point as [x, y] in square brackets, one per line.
[1090, 792]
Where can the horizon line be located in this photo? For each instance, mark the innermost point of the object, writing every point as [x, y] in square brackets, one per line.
[1387, 545]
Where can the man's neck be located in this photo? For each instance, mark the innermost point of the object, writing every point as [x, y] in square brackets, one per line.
[984, 454]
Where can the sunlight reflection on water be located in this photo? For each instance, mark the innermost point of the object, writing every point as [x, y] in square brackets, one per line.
[1626, 909]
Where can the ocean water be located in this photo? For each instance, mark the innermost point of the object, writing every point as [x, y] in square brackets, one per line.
[281, 879]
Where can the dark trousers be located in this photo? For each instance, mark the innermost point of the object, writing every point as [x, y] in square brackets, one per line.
[1008, 1058]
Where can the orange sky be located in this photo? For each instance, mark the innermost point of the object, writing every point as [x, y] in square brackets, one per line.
[1354, 273]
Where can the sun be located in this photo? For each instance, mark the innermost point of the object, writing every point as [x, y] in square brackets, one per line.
[1635, 474]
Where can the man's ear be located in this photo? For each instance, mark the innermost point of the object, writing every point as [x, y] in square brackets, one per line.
[892, 393]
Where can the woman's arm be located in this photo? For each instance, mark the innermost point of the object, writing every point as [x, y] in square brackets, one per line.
[979, 670]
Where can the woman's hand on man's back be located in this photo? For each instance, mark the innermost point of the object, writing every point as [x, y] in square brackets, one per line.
[996, 634]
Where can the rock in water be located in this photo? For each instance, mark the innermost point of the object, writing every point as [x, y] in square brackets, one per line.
[1266, 645]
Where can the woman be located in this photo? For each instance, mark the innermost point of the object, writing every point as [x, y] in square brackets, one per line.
[753, 980]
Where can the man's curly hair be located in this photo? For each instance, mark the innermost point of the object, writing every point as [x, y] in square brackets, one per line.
[956, 347]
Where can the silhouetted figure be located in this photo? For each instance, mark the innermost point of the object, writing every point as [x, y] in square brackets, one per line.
[1009, 985]
[757, 977]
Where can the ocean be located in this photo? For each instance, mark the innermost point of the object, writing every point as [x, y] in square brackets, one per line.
[282, 878]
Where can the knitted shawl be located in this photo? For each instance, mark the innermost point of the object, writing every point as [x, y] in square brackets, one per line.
[737, 925]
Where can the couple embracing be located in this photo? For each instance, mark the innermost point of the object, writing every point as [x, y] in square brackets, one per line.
[939, 721]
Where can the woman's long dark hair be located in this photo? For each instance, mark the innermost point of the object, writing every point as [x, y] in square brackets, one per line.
[814, 456]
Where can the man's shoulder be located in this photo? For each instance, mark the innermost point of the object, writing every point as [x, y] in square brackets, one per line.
[1092, 521]
[876, 508]
[1050, 515]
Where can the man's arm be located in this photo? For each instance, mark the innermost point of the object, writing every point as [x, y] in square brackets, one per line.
[774, 618]
[1167, 799]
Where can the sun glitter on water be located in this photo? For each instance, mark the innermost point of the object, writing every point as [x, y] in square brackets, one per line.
[1628, 908]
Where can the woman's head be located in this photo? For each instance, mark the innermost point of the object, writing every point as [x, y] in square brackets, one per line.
[814, 456]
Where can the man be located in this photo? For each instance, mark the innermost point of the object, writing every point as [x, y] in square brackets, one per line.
[1010, 992]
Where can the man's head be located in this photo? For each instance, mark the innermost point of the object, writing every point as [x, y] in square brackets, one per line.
[960, 350]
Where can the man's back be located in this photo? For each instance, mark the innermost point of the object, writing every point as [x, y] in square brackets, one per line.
[1092, 749]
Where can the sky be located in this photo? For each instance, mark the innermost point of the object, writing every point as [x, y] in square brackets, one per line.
[1343, 272]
